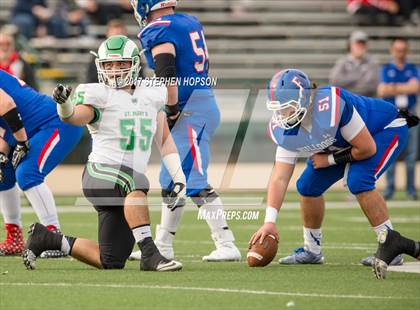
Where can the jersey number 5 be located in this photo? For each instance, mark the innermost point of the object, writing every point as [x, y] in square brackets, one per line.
[127, 127]
[324, 104]
[201, 52]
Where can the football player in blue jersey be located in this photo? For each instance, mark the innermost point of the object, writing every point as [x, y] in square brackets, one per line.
[33, 141]
[175, 47]
[345, 136]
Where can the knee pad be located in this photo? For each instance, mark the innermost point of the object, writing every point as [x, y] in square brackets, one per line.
[307, 189]
[357, 186]
[205, 196]
[25, 177]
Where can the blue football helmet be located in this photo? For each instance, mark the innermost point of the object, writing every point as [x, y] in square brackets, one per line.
[289, 94]
[142, 8]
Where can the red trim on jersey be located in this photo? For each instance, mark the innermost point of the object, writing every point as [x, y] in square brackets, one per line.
[156, 23]
[386, 154]
[47, 146]
[192, 146]
[337, 104]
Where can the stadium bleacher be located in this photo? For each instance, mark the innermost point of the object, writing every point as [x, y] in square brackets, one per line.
[245, 49]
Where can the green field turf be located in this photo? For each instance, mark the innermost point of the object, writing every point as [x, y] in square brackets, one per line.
[339, 284]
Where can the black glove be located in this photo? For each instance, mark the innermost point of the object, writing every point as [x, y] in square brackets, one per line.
[3, 161]
[176, 197]
[61, 93]
[412, 119]
[172, 114]
[21, 149]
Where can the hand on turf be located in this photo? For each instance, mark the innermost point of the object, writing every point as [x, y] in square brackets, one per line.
[61, 93]
[21, 149]
[3, 161]
[320, 160]
[265, 230]
[177, 196]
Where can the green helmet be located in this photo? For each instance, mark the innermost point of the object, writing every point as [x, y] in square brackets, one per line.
[118, 48]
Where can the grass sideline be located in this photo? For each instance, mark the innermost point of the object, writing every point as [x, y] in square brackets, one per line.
[339, 284]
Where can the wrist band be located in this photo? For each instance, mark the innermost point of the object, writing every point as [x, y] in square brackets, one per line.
[65, 110]
[343, 156]
[270, 215]
[172, 110]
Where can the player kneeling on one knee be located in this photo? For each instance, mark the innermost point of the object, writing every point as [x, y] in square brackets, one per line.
[122, 116]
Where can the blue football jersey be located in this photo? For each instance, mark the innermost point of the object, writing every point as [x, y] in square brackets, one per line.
[186, 34]
[335, 118]
[35, 109]
[390, 73]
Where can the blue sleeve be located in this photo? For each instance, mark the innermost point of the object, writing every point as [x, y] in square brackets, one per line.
[346, 99]
[155, 34]
[384, 75]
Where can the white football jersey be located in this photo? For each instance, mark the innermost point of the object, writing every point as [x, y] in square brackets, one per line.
[124, 124]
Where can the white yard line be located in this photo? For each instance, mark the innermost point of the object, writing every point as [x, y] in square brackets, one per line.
[205, 289]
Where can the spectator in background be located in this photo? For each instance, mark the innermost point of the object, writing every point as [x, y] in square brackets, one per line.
[114, 27]
[400, 86]
[47, 17]
[373, 12]
[357, 72]
[12, 62]
[102, 11]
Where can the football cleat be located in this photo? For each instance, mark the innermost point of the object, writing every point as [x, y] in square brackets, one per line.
[302, 256]
[157, 262]
[388, 249]
[225, 251]
[53, 253]
[164, 241]
[14, 243]
[368, 261]
[40, 239]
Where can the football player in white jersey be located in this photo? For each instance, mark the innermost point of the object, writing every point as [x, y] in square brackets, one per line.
[122, 116]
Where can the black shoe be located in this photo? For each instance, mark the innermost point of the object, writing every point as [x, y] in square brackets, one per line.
[40, 239]
[388, 249]
[53, 253]
[157, 262]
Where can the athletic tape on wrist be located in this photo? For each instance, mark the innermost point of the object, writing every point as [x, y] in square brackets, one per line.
[173, 165]
[270, 215]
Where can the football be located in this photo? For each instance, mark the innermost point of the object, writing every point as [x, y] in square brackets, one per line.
[260, 255]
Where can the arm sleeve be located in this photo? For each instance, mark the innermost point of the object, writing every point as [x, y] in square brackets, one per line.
[285, 156]
[353, 127]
